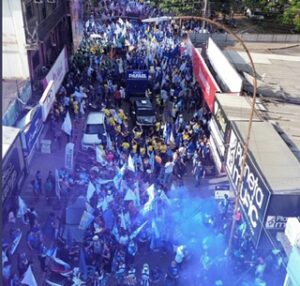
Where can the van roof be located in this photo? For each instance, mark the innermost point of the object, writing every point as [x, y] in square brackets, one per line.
[95, 118]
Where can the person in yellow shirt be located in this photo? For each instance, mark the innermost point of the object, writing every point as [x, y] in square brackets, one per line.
[163, 148]
[137, 131]
[118, 129]
[134, 146]
[111, 121]
[122, 115]
[157, 127]
[142, 151]
[125, 146]
[106, 111]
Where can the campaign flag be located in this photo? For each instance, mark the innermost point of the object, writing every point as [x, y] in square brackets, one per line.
[57, 185]
[155, 228]
[103, 181]
[29, 278]
[115, 232]
[138, 230]
[118, 177]
[172, 139]
[130, 196]
[130, 164]
[67, 124]
[164, 197]
[22, 207]
[152, 161]
[108, 143]
[90, 191]
[137, 194]
[148, 204]
[165, 131]
[82, 264]
[123, 221]
[85, 220]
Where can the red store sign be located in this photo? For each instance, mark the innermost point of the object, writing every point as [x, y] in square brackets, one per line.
[205, 79]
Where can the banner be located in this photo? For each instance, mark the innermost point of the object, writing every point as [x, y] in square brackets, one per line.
[205, 79]
[255, 194]
[137, 81]
[47, 99]
[69, 156]
[31, 133]
[58, 71]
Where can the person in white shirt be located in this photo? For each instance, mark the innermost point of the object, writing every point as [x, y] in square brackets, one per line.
[169, 166]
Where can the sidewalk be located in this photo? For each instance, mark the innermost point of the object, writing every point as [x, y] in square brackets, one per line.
[44, 163]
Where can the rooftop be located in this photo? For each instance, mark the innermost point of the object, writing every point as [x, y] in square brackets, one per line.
[278, 71]
[276, 161]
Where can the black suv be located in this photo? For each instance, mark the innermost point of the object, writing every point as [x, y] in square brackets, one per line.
[143, 112]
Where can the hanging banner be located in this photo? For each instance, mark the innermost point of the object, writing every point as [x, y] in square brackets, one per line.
[205, 79]
[69, 156]
[47, 99]
[58, 71]
[31, 134]
[255, 194]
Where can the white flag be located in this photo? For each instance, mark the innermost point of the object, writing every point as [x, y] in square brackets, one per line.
[172, 139]
[130, 164]
[108, 143]
[29, 278]
[90, 191]
[85, 220]
[130, 196]
[123, 222]
[22, 207]
[67, 124]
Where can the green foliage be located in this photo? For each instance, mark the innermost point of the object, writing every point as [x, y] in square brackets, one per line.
[291, 15]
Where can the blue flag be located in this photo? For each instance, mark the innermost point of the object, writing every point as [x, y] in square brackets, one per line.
[82, 264]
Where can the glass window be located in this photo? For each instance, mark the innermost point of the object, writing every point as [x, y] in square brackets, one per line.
[94, 129]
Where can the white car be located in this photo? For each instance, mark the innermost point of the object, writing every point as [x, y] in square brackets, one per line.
[94, 131]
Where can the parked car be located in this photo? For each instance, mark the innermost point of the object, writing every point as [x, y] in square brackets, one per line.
[143, 112]
[256, 14]
[94, 131]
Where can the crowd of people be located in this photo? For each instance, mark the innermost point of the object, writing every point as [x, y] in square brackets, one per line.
[130, 179]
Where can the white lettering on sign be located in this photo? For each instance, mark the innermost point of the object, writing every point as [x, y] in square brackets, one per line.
[253, 197]
[137, 75]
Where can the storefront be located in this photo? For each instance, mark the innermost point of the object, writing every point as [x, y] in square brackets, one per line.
[270, 186]
[13, 169]
[227, 108]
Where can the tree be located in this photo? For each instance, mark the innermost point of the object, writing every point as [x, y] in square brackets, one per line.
[291, 14]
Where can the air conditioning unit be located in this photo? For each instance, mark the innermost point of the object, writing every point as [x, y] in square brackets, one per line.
[38, 1]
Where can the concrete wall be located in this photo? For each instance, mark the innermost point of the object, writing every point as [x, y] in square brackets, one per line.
[14, 54]
[221, 38]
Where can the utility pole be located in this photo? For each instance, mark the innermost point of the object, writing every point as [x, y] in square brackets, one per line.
[204, 15]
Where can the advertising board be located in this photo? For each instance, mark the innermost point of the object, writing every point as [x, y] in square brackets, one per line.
[223, 67]
[31, 134]
[255, 193]
[137, 81]
[58, 71]
[205, 79]
[47, 100]
[13, 167]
